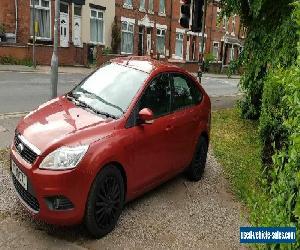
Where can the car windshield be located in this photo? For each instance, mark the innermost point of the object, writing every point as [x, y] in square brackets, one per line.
[110, 89]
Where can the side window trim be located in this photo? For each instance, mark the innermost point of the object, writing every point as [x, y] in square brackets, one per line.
[133, 118]
[189, 81]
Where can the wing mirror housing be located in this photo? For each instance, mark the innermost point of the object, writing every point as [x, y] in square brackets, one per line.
[146, 116]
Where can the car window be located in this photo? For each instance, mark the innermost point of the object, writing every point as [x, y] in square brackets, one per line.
[185, 93]
[111, 88]
[157, 96]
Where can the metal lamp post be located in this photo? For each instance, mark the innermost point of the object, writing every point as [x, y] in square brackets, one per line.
[54, 60]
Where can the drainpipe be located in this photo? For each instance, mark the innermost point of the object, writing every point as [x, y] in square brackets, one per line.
[16, 28]
[170, 41]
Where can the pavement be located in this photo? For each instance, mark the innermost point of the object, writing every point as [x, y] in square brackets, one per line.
[177, 215]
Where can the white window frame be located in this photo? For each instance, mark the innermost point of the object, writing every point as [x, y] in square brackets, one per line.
[142, 8]
[218, 48]
[39, 6]
[97, 18]
[179, 37]
[127, 4]
[151, 11]
[162, 12]
[233, 25]
[129, 23]
[159, 33]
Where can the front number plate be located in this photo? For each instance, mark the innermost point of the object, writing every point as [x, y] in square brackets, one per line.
[20, 176]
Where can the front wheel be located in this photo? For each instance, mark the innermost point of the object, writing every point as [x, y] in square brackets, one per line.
[196, 169]
[105, 202]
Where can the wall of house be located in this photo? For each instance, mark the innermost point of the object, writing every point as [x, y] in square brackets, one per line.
[109, 15]
[67, 56]
[7, 15]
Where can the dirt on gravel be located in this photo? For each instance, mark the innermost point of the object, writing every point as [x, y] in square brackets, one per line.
[178, 215]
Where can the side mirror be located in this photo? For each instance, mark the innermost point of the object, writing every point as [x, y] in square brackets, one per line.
[146, 116]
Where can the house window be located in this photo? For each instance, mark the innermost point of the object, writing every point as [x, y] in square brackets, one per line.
[128, 3]
[150, 6]
[77, 10]
[200, 45]
[216, 50]
[231, 51]
[161, 38]
[233, 25]
[96, 23]
[142, 4]
[127, 38]
[162, 6]
[179, 45]
[42, 19]
[225, 24]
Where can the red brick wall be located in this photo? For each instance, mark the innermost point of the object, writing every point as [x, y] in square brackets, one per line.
[67, 56]
[7, 15]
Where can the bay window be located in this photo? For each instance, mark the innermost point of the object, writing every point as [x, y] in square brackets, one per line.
[97, 24]
[179, 45]
[127, 38]
[42, 19]
[161, 39]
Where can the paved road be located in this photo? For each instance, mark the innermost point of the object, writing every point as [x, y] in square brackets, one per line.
[25, 91]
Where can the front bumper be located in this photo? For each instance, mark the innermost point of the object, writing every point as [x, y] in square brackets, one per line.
[42, 184]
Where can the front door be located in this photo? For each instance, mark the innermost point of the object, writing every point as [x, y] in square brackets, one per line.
[77, 31]
[64, 25]
[149, 41]
[77, 26]
[152, 156]
[141, 41]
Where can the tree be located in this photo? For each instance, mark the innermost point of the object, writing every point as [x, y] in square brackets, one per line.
[116, 37]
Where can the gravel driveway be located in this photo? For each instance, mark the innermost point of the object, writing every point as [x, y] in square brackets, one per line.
[177, 215]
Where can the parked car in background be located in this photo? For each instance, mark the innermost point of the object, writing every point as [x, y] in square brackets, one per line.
[131, 125]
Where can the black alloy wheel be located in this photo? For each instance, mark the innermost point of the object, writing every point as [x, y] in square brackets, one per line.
[105, 203]
[196, 168]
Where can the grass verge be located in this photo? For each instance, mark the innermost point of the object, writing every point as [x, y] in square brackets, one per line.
[237, 147]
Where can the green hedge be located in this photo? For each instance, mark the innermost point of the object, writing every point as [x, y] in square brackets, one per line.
[280, 131]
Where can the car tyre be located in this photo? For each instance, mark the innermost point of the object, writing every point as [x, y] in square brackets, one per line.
[196, 169]
[105, 202]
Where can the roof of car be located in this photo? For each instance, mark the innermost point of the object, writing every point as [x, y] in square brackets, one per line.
[143, 63]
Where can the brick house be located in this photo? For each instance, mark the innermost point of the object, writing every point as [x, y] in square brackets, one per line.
[152, 27]
[83, 23]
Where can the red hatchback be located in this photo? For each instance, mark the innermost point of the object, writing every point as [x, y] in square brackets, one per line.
[129, 126]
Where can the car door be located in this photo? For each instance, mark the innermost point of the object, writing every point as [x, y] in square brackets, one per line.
[151, 149]
[187, 115]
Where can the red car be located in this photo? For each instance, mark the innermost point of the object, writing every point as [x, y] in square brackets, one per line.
[126, 128]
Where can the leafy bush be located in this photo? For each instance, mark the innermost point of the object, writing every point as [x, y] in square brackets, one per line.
[107, 51]
[2, 29]
[280, 129]
[116, 36]
[208, 59]
[9, 60]
[270, 43]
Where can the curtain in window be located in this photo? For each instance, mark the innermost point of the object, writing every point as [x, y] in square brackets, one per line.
[162, 6]
[43, 19]
[178, 48]
[161, 45]
[96, 30]
[127, 42]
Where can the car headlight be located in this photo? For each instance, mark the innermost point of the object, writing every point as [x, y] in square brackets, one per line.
[64, 158]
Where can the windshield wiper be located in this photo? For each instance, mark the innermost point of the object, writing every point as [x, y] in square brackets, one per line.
[86, 106]
[87, 93]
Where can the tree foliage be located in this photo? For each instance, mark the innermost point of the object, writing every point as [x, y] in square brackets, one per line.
[270, 43]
